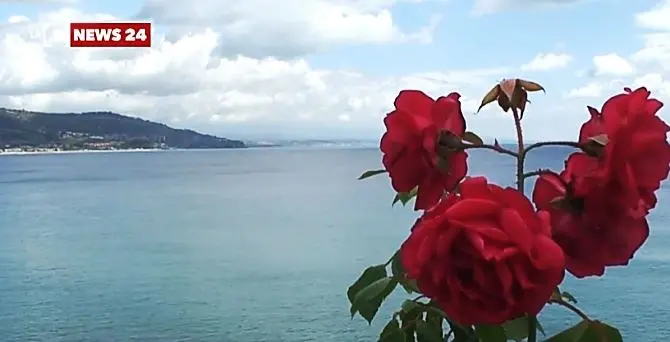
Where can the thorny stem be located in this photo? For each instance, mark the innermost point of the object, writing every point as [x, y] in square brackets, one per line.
[521, 151]
[536, 173]
[498, 149]
[532, 329]
[570, 307]
[520, 156]
[521, 176]
[552, 143]
[532, 320]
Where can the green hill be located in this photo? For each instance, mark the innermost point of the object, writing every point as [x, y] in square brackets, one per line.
[104, 130]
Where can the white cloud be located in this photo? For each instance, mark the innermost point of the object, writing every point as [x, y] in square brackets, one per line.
[593, 89]
[548, 61]
[302, 26]
[655, 53]
[654, 81]
[649, 66]
[184, 83]
[492, 6]
[191, 78]
[40, 2]
[654, 56]
[657, 18]
[612, 64]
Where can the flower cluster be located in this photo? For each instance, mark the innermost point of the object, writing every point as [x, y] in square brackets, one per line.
[600, 201]
[484, 254]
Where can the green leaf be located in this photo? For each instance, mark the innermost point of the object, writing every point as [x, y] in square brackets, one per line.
[369, 276]
[396, 265]
[490, 333]
[435, 319]
[370, 173]
[434, 310]
[410, 306]
[410, 312]
[409, 285]
[601, 332]
[572, 334]
[404, 197]
[392, 332]
[368, 300]
[409, 335]
[462, 333]
[588, 331]
[427, 333]
[472, 138]
[517, 329]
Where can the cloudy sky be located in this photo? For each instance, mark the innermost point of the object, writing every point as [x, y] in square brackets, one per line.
[255, 69]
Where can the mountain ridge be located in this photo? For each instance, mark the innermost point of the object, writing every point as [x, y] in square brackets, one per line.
[97, 130]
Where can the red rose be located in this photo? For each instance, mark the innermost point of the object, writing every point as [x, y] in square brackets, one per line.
[591, 226]
[484, 255]
[410, 145]
[637, 155]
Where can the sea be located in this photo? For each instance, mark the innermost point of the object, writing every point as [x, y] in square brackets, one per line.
[252, 245]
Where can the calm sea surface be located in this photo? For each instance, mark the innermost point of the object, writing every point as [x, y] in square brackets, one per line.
[238, 246]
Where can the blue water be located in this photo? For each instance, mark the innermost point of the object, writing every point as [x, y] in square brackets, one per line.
[242, 246]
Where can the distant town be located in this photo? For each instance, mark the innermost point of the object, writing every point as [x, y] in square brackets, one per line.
[77, 141]
[25, 131]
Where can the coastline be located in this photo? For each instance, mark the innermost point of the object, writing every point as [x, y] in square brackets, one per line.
[28, 153]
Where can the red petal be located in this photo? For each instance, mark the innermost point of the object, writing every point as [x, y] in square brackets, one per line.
[580, 164]
[418, 104]
[430, 191]
[547, 187]
[447, 114]
[614, 112]
[402, 128]
[516, 228]
[547, 254]
[520, 203]
[472, 209]
[626, 237]
[406, 172]
[458, 168]
[593, 127]
[475, 187]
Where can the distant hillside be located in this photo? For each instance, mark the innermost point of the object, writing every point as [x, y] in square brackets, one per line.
[100, 130]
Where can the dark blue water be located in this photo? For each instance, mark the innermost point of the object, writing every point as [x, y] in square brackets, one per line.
[240, 246]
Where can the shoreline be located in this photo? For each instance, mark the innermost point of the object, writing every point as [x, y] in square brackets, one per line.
[290, 147]
[27, 153]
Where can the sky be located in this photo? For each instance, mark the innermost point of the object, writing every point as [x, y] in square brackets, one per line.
[330, 69]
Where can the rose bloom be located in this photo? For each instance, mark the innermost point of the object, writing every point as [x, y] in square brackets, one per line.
[593, 229]
[598, 204]
[410, 145]
[636, 157]
[484, 255]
